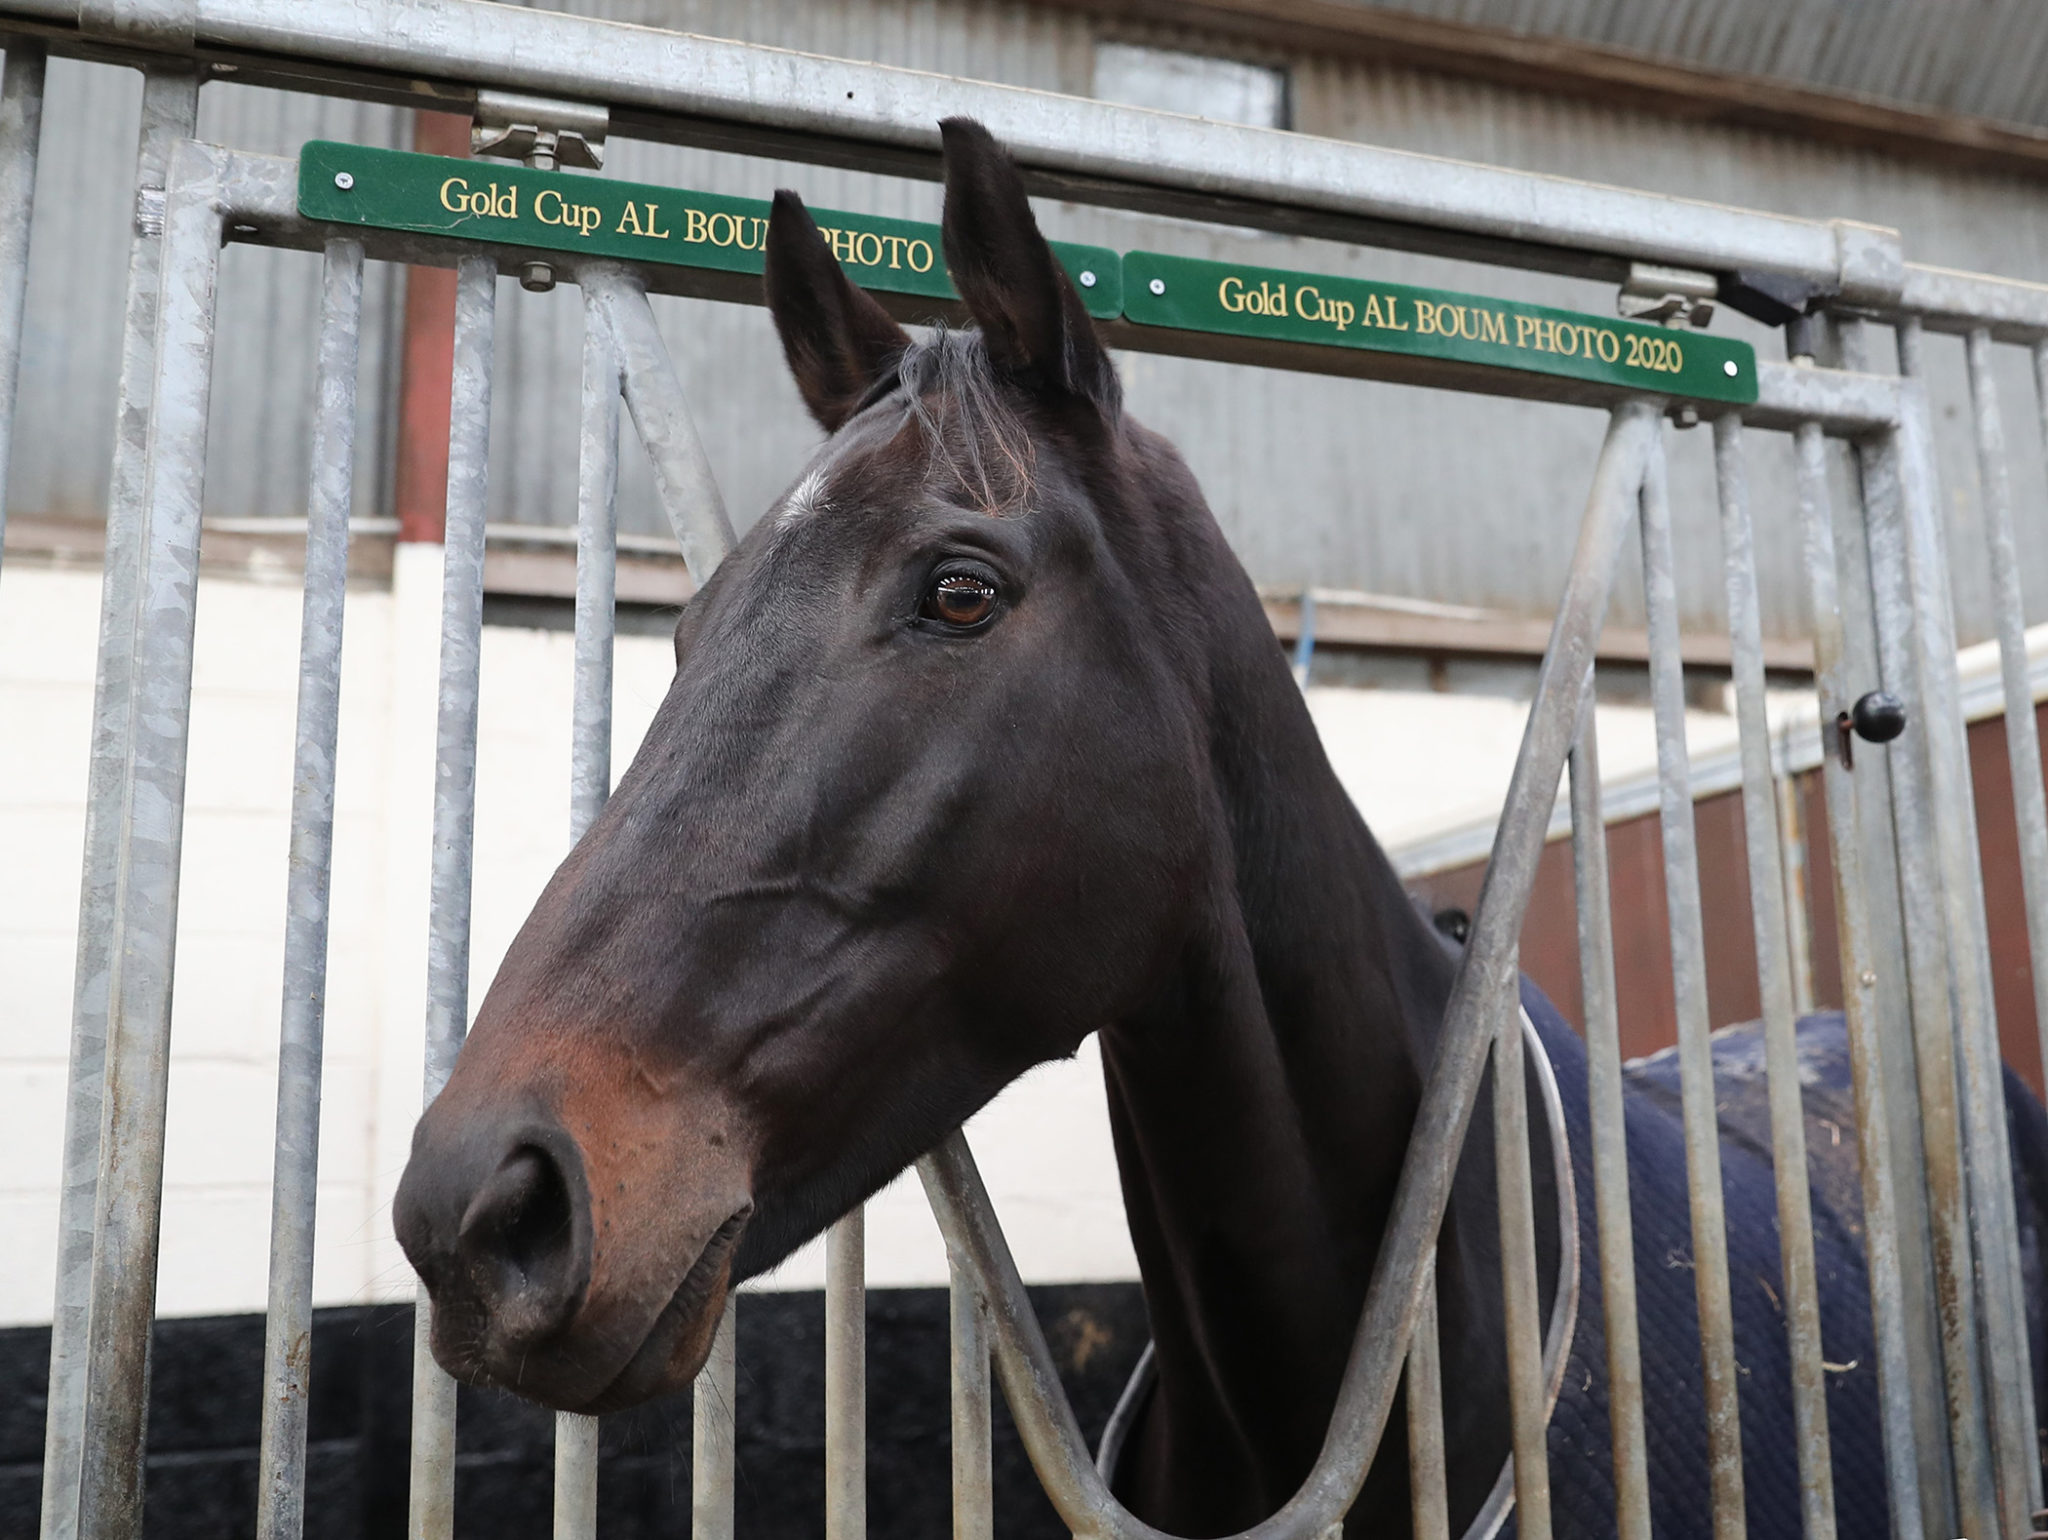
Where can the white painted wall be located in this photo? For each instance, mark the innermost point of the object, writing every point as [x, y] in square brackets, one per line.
[1043, 1146]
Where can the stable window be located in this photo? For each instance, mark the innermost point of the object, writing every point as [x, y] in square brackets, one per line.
[1199, 85]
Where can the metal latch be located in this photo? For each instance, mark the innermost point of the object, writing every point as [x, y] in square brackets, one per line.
[1656, 293]
[546, 134]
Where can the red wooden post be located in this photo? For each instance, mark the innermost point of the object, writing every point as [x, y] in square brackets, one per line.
[420, 493]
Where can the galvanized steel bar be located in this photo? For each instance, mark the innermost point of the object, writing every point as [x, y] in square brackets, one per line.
[21, 137]
[1484, 985]
[288, 1327]
[1521, 1310]
[2019, 1439]
[1689, 984]
[846, 1379]
[1792, 862]
[432, 1505]
[576, 1452]
[1855, 532]
[1428, 1495]
[2028, 799]
[143, 941]
[1836, 690]
[682, 471]
[682, 86]
[1774, 983]
[170, 106]
[590, 768]
[1609, 1135]
[712, 1427]
[2008, 1387]
[973, 1407]
[597, 578]
[1928, 969]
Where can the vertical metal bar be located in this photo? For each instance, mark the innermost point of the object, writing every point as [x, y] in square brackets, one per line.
[2028, 797]
[288, 1329]
[1774, 978]
[143, 942]
[2019, 1440]
[1429, 1498]
[590, 766]
[712, 1428]
[597, 567]
[1994, 1227]
[170, 105]
[21, 137]
[1689, 979]
[432, 1506]
[682, 471]
[1927, 963]
[1610, 1137]
[973, 1411]
[846, 1379]
[1792, 861]
[1857, 531]
[1834, 684]
[1523, 1312]
[575, 1476]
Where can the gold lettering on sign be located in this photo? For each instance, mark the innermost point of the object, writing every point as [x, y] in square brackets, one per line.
[551, 208]
[1268, 298]
[492, 202]
[629, 221]
[653, 231]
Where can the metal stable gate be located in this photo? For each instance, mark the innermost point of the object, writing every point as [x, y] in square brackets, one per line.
[1959, 1425]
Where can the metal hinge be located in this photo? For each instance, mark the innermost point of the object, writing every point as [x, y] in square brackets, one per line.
[1656, 293]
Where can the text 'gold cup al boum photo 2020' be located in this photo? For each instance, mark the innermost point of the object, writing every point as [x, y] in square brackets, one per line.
[1467, 321]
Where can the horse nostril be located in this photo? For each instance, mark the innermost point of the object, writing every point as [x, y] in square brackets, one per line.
[522, 1238]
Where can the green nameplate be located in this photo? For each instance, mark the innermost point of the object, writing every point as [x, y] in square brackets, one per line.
[594, 217]
[1228, 298]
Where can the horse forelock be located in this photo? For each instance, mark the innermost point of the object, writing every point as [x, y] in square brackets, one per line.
[970, 428]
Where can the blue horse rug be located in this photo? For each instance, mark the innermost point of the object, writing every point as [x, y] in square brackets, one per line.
[1581, 1447]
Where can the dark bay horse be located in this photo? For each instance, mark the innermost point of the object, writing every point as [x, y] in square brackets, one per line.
[977, 744]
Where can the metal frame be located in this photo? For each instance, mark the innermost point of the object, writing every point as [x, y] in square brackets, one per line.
[1903, 831]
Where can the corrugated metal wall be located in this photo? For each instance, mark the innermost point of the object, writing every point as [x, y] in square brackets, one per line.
[1343, 483]
[78, 265]
[1983, 57]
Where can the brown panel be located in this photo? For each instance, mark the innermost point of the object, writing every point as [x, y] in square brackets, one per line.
[1820, 893]
[2012, 973]
[426, 379]
[1642, 937]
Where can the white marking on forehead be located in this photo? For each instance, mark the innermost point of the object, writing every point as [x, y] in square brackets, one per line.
[806, 497]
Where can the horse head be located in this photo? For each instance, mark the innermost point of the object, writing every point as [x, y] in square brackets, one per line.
[925, 805]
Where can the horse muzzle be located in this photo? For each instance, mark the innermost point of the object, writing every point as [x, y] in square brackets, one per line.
[575, 1231]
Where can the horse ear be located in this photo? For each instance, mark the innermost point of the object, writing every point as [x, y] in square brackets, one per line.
[837, 339]
[1031, 315]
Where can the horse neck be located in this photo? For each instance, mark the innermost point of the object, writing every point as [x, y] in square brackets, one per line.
[1262, 1105]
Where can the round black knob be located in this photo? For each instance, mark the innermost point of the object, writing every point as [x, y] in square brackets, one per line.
[1879, 716]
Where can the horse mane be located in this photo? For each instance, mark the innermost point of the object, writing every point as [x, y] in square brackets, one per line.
[966, 417]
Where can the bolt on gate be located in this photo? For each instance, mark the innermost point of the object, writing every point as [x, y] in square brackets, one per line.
[1949, 1318]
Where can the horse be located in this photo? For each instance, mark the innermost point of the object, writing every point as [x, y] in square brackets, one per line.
[977, 744]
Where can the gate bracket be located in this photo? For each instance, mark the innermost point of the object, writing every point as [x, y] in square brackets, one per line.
[539, 130]
[544, 133]
[1653, 292]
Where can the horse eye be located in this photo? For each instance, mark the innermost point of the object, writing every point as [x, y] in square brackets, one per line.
[959, 599]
